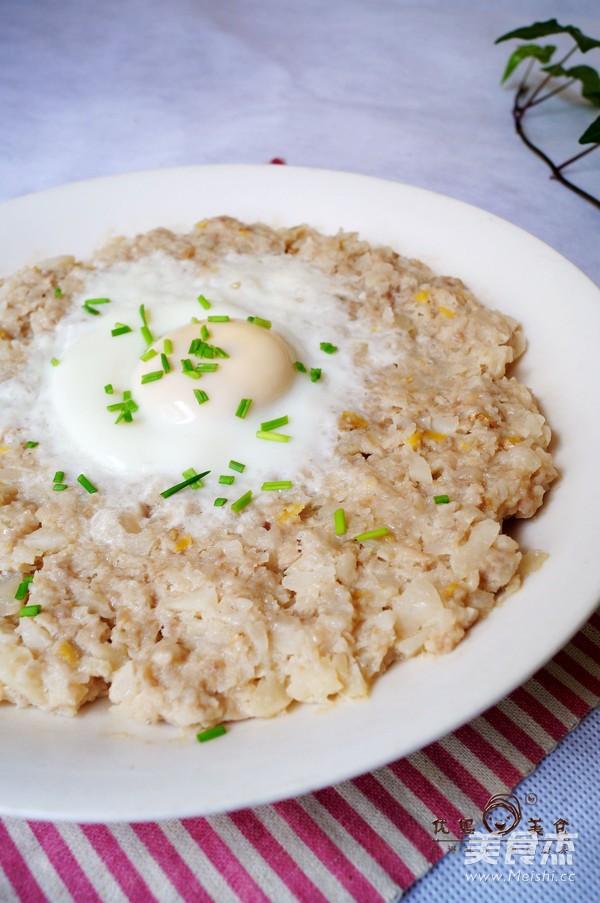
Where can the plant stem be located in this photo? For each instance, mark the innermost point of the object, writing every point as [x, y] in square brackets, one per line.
[534, 103]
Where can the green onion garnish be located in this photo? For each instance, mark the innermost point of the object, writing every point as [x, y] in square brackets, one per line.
[235, 465]
[276, 484]
[243, 407]
[258, 321]
[206, 368]
[59, 476]
[108, 388]
[222, 318]
[372, 534]
[243, 500]
[152, 377]
[300, 367]
[328, 348]
[165, 363]
[120, 329]
[143, 315]
[60, 487]
[201, 396]
[23, 588]
[441, 499]
[193, 479]
[227, 479]
[125, 417]
[271, 436]
[200, 348]
[190, 473]
[88, 305]
[86, 483]
[315, 374]
[218, 503]
[339, 522]
[168, 346]
[148, 355]
[204, 302]
[58, 292]
[204, 333]
[269, 425]
[31, 444]
[54, 361]
[147, 335]
[211, 733]
[30, 611]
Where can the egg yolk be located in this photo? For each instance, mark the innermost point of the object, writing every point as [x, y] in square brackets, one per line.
[250, 362]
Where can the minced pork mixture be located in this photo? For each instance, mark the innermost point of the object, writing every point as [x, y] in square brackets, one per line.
[183, 612]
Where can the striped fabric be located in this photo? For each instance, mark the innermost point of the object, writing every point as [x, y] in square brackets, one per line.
[364, 840]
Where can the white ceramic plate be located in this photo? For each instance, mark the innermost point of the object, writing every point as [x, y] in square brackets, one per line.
[99, 767]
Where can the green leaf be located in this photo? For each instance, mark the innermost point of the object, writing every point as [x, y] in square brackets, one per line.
[525, 51]
[551, 26]
[589, 78]
[592, 133]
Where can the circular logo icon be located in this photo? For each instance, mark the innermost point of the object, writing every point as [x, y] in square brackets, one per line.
[502, 813]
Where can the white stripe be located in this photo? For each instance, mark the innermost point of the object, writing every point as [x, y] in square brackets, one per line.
[303, 856]
[198, 862]
[94, 868]
[592, 633]
[269, 881]
[510, 752]
[584, 659]
[144, 862]
[446, 786]
[7, 892]
[471, 762]
[566, 678]
[38, 863]
[554, 706]
[527, 723]
[351, 849]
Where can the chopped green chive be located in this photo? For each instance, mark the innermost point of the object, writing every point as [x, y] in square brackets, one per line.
[148, 355]
[108, 388]
[201, 396]
[152, 377]
[31, 444]
[328, 348]
[23, 588]
[165, 363]
[59, 476]
[143, 315]
[91, 310]
[188, 369]
[125, 417]
[54, 361]
[204, 333]
[178, 486]
[147, 335]
[271, 436]
[315, 374]
[200, 348]
[120, 329]
[243, 500]
[89, 305]
[60, 487]
[226, 479]
[372, 534]
[211, 733]
[86, 483]
[58, 292]
[243, 407]
[168, 346]
[269, 425]
[258, 321]
[339, 522]
[190, 473]
[235, 465]
[222, 318]
[206, 368]
[276, 484]
[300, 367]
[441, 499]
[219, 502]
[205, 303]
[30, 611]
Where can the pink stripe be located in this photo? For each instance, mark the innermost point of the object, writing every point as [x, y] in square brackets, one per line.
[363, 834]
[274, 854]
[428, 793]
[570, 700]
[59, 854]
[330, 855]
[398, 815]
[576, 670]
[586, 645]
[170, 862]
[15, 868]
[111, 852]
[540, 714]
[226, 863]
[489, 755]
[464, 780]
[517, 736]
